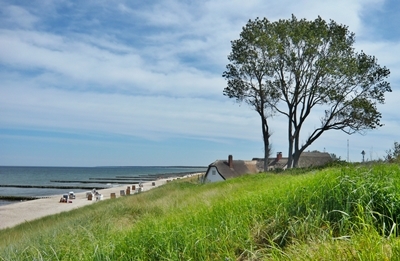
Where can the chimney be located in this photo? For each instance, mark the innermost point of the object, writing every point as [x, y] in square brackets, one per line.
[230, 161]
[278, 156]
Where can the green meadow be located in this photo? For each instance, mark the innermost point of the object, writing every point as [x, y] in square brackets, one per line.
[347, 212]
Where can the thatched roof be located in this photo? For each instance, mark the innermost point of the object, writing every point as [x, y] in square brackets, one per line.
[240, 167]
[313, 159]
[307, 159]
[277, 164]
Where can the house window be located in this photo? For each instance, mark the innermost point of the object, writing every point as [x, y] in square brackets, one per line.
[214, 172]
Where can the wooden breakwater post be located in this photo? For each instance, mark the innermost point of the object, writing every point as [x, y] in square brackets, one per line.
[128, 190]
[90, 196]
[153, 183]
[133, 187]
[112, 195]
[122, 192]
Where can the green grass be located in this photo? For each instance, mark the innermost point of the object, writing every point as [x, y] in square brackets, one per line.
[345, 212]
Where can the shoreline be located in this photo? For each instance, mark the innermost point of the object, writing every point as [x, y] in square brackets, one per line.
[14, 191]
[26, 211]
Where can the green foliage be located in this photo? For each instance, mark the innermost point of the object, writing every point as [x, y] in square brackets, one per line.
[393, 155]
[347, 212]
[299, 68]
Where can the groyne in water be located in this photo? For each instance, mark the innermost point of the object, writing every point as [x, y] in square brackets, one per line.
[20, 198]
[115, 181]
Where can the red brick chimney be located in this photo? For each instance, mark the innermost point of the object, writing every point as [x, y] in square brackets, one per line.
[278, 156]
[230, 161]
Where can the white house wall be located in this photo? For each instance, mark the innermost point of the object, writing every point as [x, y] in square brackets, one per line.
[212, 175]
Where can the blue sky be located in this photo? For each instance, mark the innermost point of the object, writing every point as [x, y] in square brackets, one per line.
[103, 82]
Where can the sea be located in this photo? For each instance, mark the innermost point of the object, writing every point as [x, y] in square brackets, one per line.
[23, 183]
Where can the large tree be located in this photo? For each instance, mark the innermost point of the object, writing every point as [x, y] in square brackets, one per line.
[314, 70]
[246, 77]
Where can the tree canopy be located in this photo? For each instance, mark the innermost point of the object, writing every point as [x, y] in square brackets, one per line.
[308, 68]
[247, 77]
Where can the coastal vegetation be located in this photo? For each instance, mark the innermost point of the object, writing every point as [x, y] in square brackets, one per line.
[343, 212]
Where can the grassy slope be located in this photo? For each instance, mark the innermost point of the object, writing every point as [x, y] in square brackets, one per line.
[342, 213]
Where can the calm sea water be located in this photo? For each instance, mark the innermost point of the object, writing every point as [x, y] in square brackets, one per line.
[45, 176]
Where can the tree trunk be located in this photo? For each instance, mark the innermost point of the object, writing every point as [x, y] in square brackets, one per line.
[296, 158]
[297, 152]
[266, 136]
[290, 151]
[290, 155]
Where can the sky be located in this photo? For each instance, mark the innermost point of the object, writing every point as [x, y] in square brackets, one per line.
[139, 83]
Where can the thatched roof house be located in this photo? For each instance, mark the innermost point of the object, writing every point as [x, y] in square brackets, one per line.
[225, 169]
[307, 159]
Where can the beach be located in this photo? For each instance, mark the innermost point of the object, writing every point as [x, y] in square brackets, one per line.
[17, 213]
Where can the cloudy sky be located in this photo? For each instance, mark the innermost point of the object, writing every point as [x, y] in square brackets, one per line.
[104, 82]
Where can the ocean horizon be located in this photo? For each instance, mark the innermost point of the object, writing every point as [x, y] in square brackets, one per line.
[23, 182]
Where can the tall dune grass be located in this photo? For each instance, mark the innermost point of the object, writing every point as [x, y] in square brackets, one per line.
[338, 213]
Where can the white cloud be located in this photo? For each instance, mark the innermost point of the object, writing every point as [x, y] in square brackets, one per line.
[150, 117]
[82, 64]
[384, 52]
[152, 70]
[17, 16]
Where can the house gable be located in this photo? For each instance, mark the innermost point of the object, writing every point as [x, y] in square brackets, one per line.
[212, 175]
[226, 169]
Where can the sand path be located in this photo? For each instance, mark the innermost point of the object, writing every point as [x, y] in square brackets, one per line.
[17, 213]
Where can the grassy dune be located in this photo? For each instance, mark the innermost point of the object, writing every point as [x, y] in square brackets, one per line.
[338, 213]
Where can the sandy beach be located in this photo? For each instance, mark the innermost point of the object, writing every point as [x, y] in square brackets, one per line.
[17, 213]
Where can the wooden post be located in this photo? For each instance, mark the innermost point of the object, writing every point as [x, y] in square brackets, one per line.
[112, 195]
